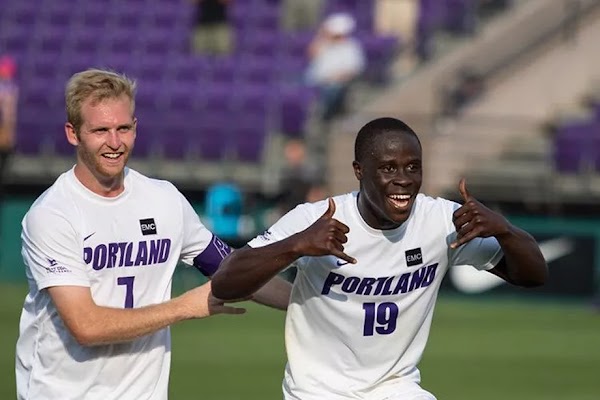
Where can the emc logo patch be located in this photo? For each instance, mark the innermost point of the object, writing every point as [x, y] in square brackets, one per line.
[148, 226]
[414, 257]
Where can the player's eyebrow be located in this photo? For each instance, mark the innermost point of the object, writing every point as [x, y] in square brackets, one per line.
[99, 128]
[105, 128]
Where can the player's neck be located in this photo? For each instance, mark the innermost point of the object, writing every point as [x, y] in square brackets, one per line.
[100, 185]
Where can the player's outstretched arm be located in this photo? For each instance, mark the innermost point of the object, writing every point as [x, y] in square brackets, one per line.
[248, 269]
[523, 263]
[92, 325]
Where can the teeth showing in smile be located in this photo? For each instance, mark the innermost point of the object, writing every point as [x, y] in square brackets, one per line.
[399, 200]
[399, 196]
[111, 155]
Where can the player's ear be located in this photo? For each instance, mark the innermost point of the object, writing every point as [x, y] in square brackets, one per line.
[71, 134]
[357, 170]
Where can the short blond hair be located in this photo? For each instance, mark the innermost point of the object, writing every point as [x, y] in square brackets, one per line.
[99, 85]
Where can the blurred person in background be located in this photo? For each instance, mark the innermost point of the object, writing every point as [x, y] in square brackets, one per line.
[301, 15]
[301, 181]
[212, 34]
[100, 247]
[467, 87]
[298, 177]
[8, 114]
[224, 213]
[370, 265]
[8, 118]
[336, 61]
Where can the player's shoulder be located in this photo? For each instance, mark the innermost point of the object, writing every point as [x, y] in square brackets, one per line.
[55, 200]
[342, 202]
[434, 205]
[147, 183]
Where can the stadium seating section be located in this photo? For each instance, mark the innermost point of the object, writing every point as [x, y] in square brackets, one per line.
[576, 145]
[188, 106]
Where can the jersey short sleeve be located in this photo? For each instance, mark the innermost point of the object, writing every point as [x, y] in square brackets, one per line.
[201, 248]
[481, 253]
[294, 221]
[51, 249]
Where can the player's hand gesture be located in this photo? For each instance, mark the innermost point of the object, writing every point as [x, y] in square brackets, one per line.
[473, 219]
[325, 237]
[201, 303]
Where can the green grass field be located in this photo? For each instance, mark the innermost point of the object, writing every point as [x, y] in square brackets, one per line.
[478, 349]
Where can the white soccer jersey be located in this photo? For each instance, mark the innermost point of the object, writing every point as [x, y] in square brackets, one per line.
[358, 331]
[125, 249]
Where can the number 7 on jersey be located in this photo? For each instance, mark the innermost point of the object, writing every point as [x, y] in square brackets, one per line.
[127, 281]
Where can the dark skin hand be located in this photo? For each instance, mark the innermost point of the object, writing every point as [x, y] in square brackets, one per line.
[247, 269]
[523, 263]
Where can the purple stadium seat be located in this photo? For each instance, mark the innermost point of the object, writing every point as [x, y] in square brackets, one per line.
[266, 19]
[258, 44]
[14, 38]
[223, 70]
[213, 139]
[216, 99]
[39, 128]
[121, 63]
[380, 52]
[573, 147]
[294, 106]
[176, 139]
[150, 69]
[249, 138]
[188, 70]
[296, 44]
[49, 39]
[22, 12]
[84, 61]
[183, 98]
[155, 41]
[252, 99]
[256, 70]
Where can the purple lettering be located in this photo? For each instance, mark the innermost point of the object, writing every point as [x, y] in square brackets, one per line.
[128, 251]
[430, 275]
[332, 279]
[122, 248]
[402, 285]
[379, 286]
[142, 254]
[99, 257]
[366, 285]
[87, 254]
[113, 249]
[386, 287]
[350, 284]
[165, 248]
[417, 279]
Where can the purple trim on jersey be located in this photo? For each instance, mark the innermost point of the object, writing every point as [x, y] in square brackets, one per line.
[208, 261]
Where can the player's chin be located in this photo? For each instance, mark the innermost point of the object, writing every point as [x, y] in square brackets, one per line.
[399, 215]
[111, 166]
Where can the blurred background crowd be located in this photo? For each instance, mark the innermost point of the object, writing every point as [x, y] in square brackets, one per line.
[251, 107]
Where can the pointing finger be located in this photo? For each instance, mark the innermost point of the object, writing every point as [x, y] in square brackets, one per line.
[344, 256]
